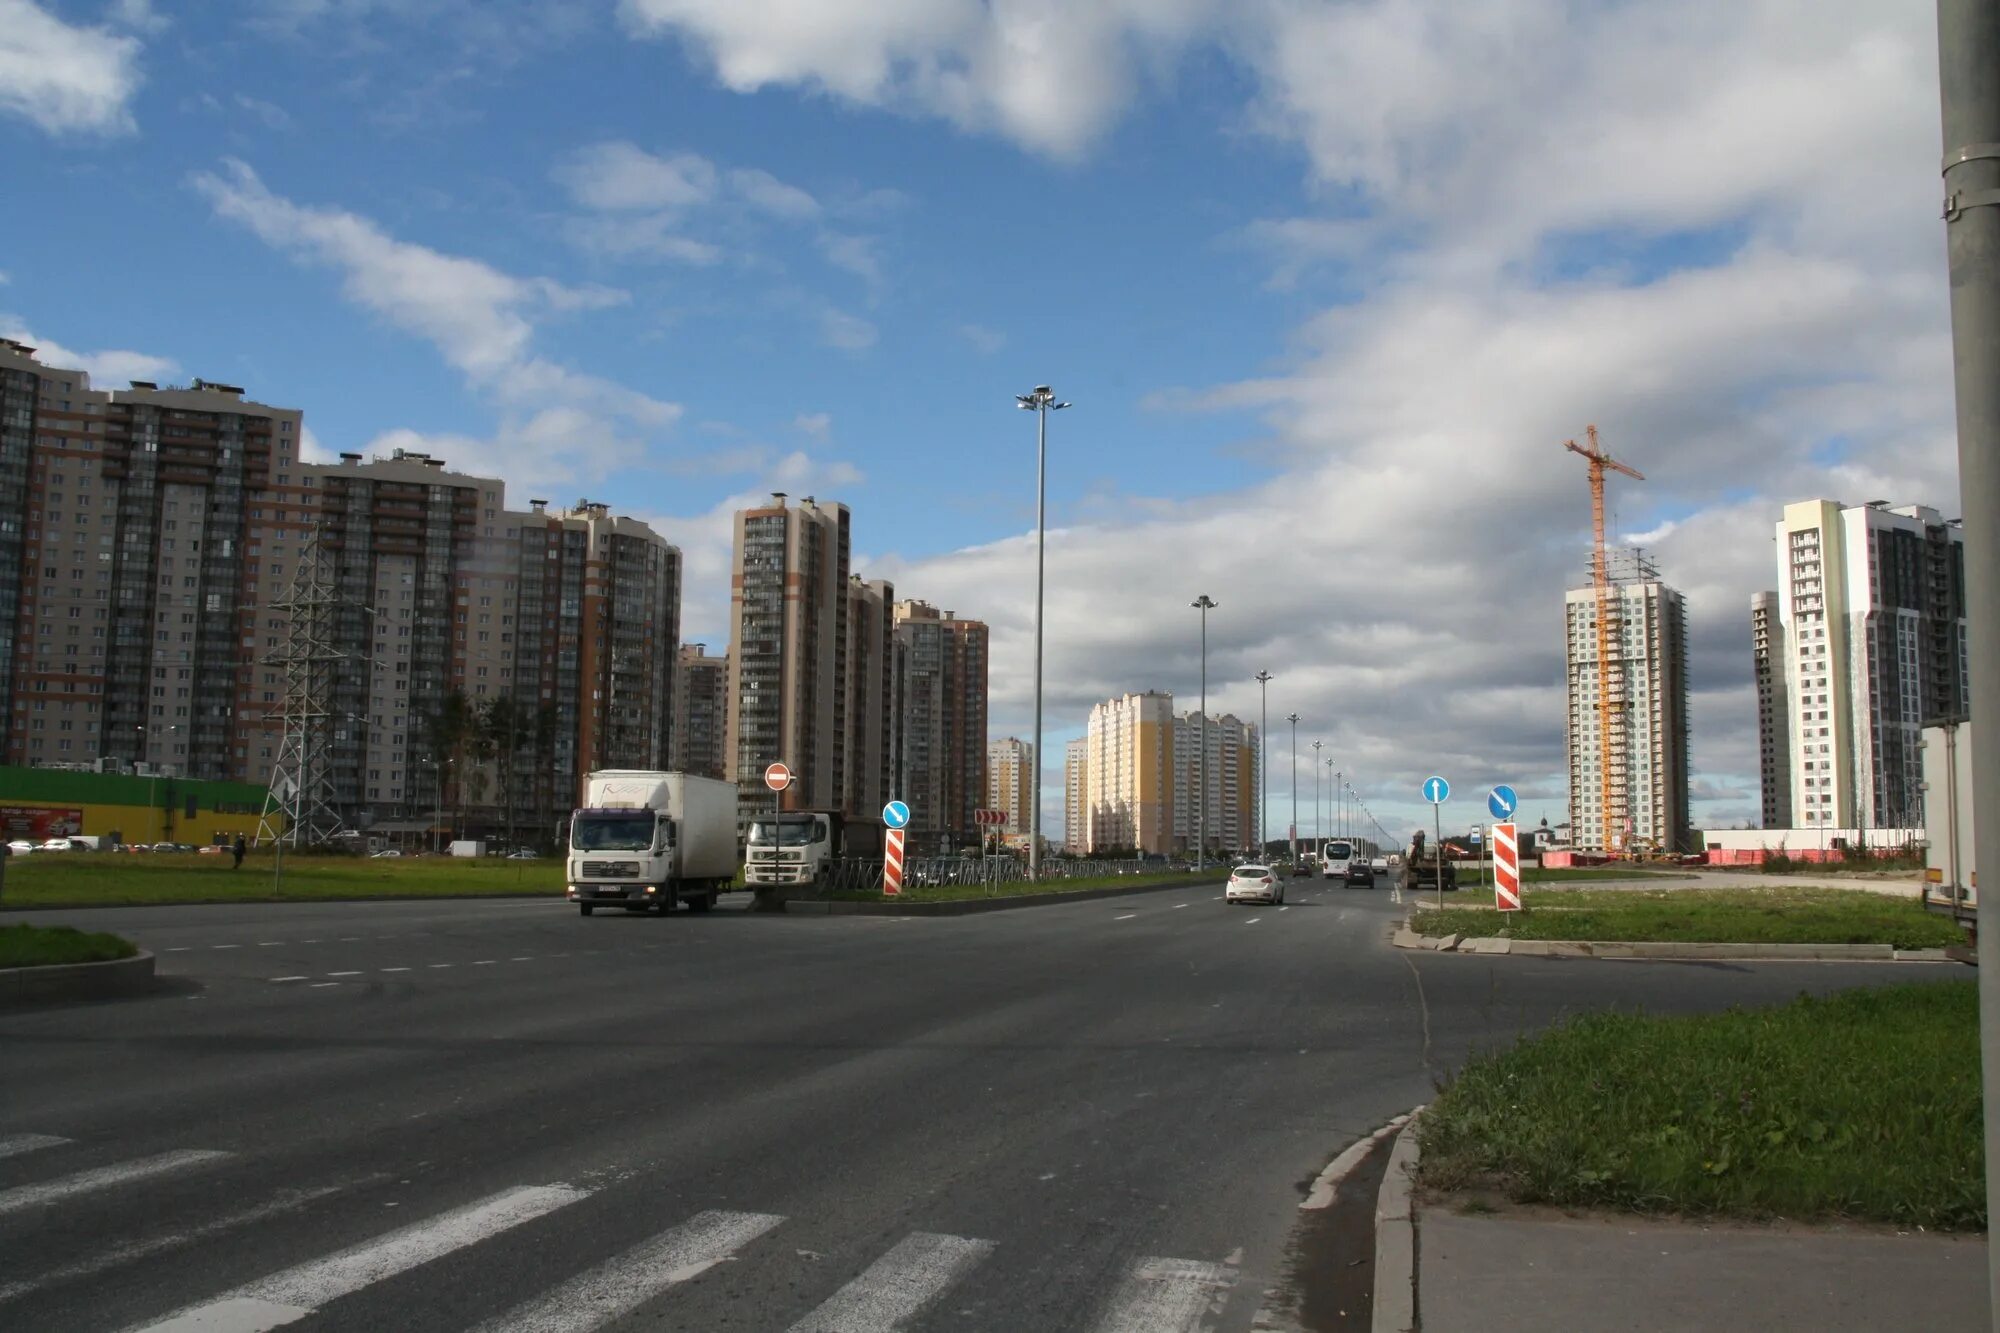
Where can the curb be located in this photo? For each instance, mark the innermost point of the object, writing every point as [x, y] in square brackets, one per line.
[1396, 1238]
[555, 895]
[1405, 938]
[973, 906]
[79, 981]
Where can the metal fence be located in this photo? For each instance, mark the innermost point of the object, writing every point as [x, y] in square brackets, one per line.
[864, 874]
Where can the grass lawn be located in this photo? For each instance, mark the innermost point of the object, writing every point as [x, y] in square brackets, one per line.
[951, 893]
[1686, 916]
[1532, 874]
[1865, 1105]
[77, 879]
[45, 946]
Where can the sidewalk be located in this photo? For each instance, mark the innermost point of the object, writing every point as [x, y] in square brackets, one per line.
[1537, 1271]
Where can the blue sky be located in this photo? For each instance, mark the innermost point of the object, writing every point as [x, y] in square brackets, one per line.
[1329, 285]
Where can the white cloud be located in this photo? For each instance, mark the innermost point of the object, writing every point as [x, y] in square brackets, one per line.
[271, 114]
[765, 192]
[982, 338]
[138, 15]
[620, 176]
[109, 369]
[854, 254]
[815, 424]
[555, 422]
[850, 333]
[65, 79]
[641, 236]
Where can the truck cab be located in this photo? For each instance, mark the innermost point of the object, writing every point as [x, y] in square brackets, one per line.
[796, 849]
[650, 840]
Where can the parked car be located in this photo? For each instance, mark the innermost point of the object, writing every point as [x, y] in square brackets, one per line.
[213, 849]
[1253, 883]
[388, 853]
[166, 847]
[22, 847]
[522, 855]
[58, 845]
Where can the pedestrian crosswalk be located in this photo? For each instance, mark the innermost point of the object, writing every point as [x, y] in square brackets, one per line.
[899, 1287]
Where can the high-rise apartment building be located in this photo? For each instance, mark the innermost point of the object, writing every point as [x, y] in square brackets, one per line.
[167, 527]
[701, 712]
[1010, 765]
[788, 698]
[1872, 604]
[1774, 745]
[944, 663]
[1076, 795]
[1128, 767]
[131, 525]
[1231, 778]
[1648, 711]
[874, 727]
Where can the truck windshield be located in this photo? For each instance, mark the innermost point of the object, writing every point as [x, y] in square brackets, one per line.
[613, 833]
[791, 835]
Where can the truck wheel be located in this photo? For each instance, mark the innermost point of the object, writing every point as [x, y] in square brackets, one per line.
[665, 902]
[702, 902]
[583, 908]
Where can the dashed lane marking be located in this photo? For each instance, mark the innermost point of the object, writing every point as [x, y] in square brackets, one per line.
[322, 985]
[435, 966]
[103, 1178]
[1253, 920]
[1178, 906]
[1165, 1296]
[13, 1145]
[621, 1285]
[225, 946]
[897, 1285]
[395, 969]
[1127, 917]
[288, 978]
[292, 1295]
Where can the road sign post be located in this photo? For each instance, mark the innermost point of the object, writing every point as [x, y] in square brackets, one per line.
[1437, 791]
[1506, 868]
[777, 777]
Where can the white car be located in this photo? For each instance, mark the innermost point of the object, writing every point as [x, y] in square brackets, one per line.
[58, 845]
[1251, 883]
[22, 847]
[389, 854]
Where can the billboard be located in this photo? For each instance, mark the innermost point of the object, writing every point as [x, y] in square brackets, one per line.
[40, 822]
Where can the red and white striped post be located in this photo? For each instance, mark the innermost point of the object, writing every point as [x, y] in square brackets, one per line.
[1506, 868]
[892, 862]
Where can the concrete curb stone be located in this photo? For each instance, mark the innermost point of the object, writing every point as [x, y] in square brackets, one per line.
[79, 981]
[1405, 938]
[1396, 1238]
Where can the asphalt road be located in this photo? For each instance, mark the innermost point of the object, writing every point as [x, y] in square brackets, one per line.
[458, 1115]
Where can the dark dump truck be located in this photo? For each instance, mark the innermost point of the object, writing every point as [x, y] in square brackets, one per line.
[1425, 866]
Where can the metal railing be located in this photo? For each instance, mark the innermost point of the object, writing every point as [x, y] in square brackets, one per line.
[864, 874]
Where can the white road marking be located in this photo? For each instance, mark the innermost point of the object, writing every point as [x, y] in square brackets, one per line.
[179, 948]
[349, 939]
[1127, 917]
[287, 1201]
[104, 1177]
[621, 1285]
[1253, 920]
[486, 962]
[308, 941]
[395, 969]
[269, 944]
[529, 958]
[440, 964]
[13, 1145]
[322, 985]
[1165, 1296]
[897, 1285]
[225, 946]
[288, 978]
[343, 974]
[295, 1293]
[1178, 906]
[1285, 909]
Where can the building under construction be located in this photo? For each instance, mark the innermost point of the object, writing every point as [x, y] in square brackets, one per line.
[1628, 713]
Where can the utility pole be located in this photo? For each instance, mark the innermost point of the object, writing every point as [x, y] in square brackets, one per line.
[1263, 754]
[1041, 402]
[1969, 83]
[1294, 720]
[1203, 604]
[1318, 849]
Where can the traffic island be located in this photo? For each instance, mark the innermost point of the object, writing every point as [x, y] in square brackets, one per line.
[1814, 924]
[59, 963]
[1666, 1167]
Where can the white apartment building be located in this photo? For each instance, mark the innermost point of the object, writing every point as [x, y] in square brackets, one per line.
[1230, 818]
[1128, 775]
[1076, 795]
[1648, 708]
[1871, 604]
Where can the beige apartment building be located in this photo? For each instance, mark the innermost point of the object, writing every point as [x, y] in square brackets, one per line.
[1010, 765]
[943, 688]
[1076, 796]
[1648, 706]
[1129, 775]
[874, 731]
[701, 712]
[788, 686]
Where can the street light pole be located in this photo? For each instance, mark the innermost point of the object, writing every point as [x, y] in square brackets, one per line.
[1041, 402]
[1203, 604]
[1316, 838]
[1294, 720]
[1263, 755]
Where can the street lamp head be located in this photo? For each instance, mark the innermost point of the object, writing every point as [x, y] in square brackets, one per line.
[1204, 603]
[1292, 718]
[1316, 745]
[1263, 678]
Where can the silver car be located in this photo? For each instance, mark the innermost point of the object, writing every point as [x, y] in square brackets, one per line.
[1253, 884]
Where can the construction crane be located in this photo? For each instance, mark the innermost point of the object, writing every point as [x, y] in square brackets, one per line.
[1611, 758]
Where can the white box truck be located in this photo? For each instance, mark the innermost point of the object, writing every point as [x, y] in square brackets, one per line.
[644, 839]
[1951, 879]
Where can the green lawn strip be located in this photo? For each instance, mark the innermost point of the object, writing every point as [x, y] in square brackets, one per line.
[949, 893]
[1691, 916]
[1560, 874]
[47, 946]
[84, 879]
[1864, 1105]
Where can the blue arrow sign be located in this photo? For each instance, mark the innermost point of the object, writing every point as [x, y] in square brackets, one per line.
[1502, 801]
[896, 814]
[1437, 791]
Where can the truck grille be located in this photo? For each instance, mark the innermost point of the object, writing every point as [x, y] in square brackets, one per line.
[611, 870]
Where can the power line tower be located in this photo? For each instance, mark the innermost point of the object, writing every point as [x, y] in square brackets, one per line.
[300, 789]
[1614, 764]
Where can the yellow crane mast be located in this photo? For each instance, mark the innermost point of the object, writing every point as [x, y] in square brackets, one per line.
[1613, 776]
